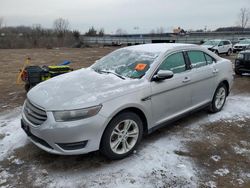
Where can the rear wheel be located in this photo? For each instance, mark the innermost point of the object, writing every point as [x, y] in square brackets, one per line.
[219, 98]
[122, 135]
[229, 52]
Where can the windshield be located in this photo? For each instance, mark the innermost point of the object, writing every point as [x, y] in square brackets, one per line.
[126, 63]
[245, 41]
[212, 42]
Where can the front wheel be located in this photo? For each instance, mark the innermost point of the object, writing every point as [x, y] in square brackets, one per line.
[219, 98]
[122, 135]
[237, 72]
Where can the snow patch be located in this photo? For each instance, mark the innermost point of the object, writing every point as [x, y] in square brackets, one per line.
[222, 172]
[15, 137]
[211, 184]
[216, 158]
[236, 108]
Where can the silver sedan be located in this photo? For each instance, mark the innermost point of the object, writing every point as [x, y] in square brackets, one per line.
[127, 94]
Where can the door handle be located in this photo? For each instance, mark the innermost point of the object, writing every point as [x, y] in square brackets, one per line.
[215, 71]
[186, 79]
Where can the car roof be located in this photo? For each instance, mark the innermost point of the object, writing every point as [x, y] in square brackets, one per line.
[158, 47]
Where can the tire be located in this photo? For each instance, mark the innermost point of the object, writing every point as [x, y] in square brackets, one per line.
[229, 52]
[122, 135]
[27, 87]
[237, 72]
[219, 98]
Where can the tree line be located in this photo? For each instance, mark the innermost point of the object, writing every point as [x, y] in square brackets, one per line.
[62, 36]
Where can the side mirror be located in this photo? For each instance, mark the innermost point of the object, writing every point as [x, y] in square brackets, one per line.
[163, 75]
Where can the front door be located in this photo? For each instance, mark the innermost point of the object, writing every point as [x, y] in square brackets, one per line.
[171, 97]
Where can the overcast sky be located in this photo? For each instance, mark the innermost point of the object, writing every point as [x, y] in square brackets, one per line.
[126, 14]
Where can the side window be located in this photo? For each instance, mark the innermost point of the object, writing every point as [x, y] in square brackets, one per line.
[175, 63]
[209, 59]
[197, 59]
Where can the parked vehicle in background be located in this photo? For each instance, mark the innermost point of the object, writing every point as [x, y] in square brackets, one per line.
[219, 46]
[123, 96]
[241, 45]
[242, 62]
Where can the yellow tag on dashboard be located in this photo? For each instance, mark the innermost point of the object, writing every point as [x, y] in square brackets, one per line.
[140, 66]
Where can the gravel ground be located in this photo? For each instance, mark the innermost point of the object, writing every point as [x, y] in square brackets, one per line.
[201, 150]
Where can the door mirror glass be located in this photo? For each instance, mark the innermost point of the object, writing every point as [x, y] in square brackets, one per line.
[163, 74]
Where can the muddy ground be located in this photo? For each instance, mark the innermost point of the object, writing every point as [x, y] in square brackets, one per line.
[11, 61]
[219, 149]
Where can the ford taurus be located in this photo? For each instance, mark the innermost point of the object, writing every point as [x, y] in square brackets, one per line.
[123, 96]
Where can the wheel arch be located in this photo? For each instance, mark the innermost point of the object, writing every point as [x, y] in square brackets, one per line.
[225, 82]
[135, 110]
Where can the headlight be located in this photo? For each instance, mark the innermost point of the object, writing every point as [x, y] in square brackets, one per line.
[72, 115]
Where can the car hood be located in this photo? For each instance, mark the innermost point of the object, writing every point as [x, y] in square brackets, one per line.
[80, 89]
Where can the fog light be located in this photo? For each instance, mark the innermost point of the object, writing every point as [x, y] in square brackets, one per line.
[73, 146]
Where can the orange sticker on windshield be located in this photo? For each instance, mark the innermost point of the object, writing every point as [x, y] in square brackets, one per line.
[140, 66]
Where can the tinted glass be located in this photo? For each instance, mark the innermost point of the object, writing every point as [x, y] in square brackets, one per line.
[175, 63]
[197, 59]
[209, 59]
[247, 57]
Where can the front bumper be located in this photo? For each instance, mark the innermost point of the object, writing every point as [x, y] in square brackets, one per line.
[238, 49]
[66, 138]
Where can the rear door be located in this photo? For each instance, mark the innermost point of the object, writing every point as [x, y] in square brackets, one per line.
[171, 97]
[223, 47]
[202, 78]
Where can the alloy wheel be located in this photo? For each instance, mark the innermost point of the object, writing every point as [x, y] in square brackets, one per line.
[124, 136]
[220, 98]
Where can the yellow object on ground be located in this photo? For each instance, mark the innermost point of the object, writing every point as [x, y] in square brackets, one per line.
[26, 62]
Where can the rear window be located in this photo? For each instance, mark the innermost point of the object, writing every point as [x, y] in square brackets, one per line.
[197, 59]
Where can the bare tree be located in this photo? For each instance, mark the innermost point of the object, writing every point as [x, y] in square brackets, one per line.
[244, 17]
[61, 26]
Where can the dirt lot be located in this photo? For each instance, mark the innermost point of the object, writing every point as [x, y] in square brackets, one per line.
[202, 150]
[11, 61]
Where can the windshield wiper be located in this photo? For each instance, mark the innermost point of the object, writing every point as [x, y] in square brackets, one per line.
[109, 72]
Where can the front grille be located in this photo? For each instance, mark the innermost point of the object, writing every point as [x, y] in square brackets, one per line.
[34, 114]
[247, 57]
